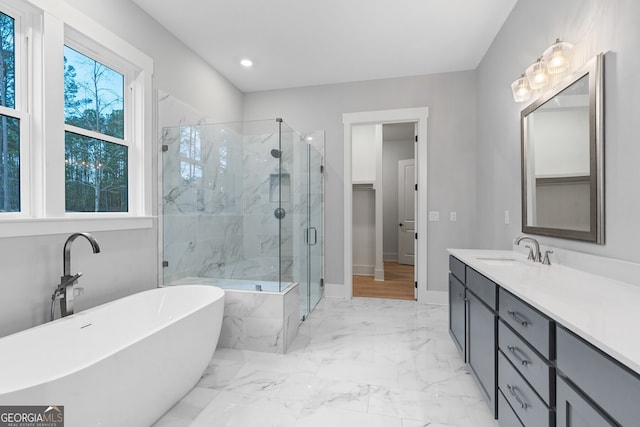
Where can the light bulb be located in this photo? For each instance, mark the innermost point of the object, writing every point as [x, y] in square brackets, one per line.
[521, 90]
[556, 57]
[537, 75]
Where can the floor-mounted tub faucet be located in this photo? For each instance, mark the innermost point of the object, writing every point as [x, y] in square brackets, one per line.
[534, 254]
[65, 290]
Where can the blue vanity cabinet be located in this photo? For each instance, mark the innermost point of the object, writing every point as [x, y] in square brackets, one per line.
[526, 375]
[482, 334]
[593, 388]
[574, 410]
[531, 370]
[458, 306]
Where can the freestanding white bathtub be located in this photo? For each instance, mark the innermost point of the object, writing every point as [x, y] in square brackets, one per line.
[124, 363]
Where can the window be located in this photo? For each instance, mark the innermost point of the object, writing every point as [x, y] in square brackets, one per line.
[75, 124]
[9, 120]
[96, 152]
[190, 154]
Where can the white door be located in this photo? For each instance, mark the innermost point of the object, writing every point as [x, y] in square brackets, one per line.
[406, 211]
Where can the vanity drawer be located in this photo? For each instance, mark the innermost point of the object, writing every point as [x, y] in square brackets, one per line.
[536, 328]
[482, 287]
[613, 387]
[456, 267]
[506, 416]
[531, 366]
[529, 408]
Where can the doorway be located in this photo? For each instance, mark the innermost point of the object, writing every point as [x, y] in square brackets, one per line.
[417, 116]
[393, 276]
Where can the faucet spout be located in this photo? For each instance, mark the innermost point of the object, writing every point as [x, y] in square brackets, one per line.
[537, 256]
[65, 291]
[66, 255]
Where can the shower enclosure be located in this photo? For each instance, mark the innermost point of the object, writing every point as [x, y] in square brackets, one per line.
[242, 208]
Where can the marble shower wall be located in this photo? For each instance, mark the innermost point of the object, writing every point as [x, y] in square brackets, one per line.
[202, 206]
[221, 186]
[268, 241]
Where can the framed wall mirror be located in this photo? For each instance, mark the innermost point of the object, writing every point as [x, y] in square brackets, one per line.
[562, 159]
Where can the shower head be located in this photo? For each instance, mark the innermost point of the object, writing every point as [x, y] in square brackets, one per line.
[275, 153]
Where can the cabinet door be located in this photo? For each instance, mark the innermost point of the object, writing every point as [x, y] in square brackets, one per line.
[481, 351]
[457, 315]
[574, 411]
[613, 387]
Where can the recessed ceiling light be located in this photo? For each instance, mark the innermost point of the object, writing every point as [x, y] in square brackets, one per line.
[246, 63]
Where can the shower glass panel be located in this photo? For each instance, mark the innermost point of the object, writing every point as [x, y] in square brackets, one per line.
[312, 219]
[240, 202]
[316, 240]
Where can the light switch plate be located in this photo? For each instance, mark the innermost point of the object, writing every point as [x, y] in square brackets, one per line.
[434, 216]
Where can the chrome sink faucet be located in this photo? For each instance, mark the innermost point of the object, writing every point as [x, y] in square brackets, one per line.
[534, 254]
[65, 290]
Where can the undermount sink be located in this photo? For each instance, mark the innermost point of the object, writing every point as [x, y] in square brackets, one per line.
[501, 261]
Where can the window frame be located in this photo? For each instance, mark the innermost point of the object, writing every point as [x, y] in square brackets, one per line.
[45, 28]
[20, 111]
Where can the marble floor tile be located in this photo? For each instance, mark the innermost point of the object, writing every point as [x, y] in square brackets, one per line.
[334, 417]
[363, 362]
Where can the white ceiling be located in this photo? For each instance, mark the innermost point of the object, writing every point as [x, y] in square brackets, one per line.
[312, 42]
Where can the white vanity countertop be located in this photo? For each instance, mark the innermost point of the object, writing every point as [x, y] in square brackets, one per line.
[603, 311]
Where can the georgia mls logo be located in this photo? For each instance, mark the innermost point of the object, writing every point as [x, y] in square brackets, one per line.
[32, 416]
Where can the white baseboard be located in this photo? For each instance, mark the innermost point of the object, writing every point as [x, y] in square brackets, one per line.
[332, 290]
[364, 270]
[390, 256]
[434, 297]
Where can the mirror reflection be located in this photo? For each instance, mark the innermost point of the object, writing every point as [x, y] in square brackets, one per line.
[562, 158]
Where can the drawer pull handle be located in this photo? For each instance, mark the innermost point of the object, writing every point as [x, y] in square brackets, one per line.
[513, 350]
[512, 390]
[517, 317]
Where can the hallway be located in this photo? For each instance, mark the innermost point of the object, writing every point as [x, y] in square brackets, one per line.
[397, 284]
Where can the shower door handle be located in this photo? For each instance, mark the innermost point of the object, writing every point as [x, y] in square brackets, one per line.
[309, 235]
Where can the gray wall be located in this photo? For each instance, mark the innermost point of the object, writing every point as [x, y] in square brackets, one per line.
[32, 266]
[451, 150]
[593, 26]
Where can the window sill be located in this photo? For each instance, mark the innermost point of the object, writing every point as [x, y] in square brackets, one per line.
[18, 227]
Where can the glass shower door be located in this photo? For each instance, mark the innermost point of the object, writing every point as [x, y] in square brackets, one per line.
[315, 221]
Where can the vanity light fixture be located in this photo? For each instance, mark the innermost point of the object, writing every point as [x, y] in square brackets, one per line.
[556, 57]
[554, 60]
[537, 75]
[521, 90]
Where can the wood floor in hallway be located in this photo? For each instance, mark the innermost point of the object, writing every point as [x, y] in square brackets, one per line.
[397, 284]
